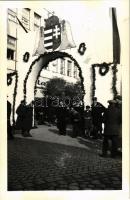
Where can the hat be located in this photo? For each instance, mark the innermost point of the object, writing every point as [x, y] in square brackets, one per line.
[119, 97]
[118, 101]
[111, 101]
[95, 98]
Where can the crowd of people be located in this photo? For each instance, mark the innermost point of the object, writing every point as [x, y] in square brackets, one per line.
[93, 122]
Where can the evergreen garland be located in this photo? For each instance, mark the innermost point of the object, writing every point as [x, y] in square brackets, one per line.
[9, 81]
[50, 56]
[27, 75]
[9, 78]
[114, 81]
[26, 57]
[14, 96]
[103, 69]
[93, 83]
[82, 49]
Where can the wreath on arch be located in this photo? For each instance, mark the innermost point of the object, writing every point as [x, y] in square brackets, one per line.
[9, 78]
[82, 49]
[26, 57]
[103, 69]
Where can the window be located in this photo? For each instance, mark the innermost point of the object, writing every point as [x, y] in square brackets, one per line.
[26, 17]
[55, 66]
[62, 67]
[11, 42]
[69, 68]
[12, 14]
[37, 21]
[10, 54]
[11, 47]
[75, 71]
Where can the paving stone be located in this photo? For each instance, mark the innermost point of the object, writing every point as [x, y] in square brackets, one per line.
[62, 188]
[73, 184]
[115, 178]
[83, 184]
[91, 186]
[96, 182]
[62, 182]
[115, 182]
[73, 187]
[51, 188]
[19, 187]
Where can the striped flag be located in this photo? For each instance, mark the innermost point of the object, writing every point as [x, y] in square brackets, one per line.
[52, 37]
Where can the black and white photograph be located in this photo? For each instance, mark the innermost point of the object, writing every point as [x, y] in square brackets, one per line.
[64, 98]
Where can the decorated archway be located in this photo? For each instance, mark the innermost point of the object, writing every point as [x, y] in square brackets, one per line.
[41, 63]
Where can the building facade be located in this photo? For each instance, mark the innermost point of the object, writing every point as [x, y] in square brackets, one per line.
[32, 20]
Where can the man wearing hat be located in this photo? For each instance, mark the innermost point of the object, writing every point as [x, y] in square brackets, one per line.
[112, 121]
[97, 112]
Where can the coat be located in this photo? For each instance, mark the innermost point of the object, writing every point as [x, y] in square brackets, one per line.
[24, 120]
[112, 121]
[97, 112]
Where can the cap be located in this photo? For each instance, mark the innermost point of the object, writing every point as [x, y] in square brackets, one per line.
[95, 98]
[111, 101]
[118, 101]
[119, 97]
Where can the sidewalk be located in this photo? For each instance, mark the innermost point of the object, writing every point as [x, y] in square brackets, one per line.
[49, 161]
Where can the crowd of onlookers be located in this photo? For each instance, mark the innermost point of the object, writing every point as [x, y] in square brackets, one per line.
[94, 122]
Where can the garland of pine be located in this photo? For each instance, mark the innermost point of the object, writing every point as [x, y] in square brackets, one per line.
[51, 56]
[102, 73]
[9, 81]
[114, 81]
[14, 96]
[9, 77]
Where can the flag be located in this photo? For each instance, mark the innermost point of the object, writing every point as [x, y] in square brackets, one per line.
[116, 38]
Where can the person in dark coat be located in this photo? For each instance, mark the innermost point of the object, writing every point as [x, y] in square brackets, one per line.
[76, 122]
[80, 110]
[20, 111]
[119, 106]
[9, 128]
[24, 120]
[97, 118]
[27, 122]
[112, 121]
[61, 115]
[88, 121]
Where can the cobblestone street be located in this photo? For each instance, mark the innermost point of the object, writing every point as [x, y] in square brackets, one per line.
[48, 161]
